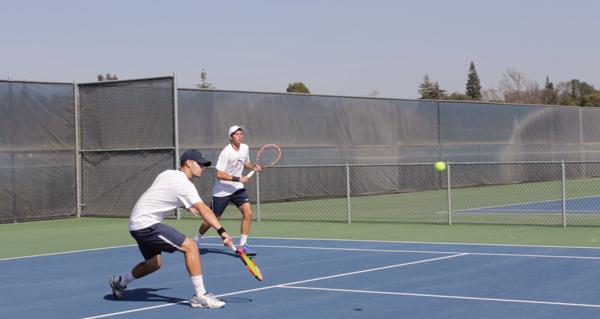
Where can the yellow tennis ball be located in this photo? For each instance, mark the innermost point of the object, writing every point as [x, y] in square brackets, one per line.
[440, 166]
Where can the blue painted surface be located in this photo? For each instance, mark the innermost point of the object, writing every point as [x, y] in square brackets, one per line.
[76, 285]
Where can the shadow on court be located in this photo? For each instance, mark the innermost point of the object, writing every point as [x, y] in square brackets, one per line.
[204, 251]
[145, 294]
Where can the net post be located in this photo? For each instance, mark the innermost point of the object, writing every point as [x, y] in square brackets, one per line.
[449, 195]
[349, 210]
[564, 194]
[258, 196]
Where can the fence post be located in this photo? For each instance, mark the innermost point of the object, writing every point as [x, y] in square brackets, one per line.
[176, 133]
[564, 194]
[449, 195]
[258, 196]
[78, 180]
[348, 193]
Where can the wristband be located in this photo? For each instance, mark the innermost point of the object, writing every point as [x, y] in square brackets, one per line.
[235, 179]
[221, 230]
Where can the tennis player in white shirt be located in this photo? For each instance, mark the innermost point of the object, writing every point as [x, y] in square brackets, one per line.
[229, 185]
[170, 190]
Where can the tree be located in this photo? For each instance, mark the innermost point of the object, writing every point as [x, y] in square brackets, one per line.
[549, 94]
[515, 88]
[473, 85]
[297, 87]
[455, 96]
[204, 84]
[107, 77]
[576, 92]
[492, 95]
[592, 99]
[430, 90]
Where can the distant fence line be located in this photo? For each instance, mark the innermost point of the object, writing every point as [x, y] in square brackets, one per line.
[90, 149]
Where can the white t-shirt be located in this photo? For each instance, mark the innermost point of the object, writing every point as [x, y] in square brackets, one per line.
[171, 189]
[231, 162]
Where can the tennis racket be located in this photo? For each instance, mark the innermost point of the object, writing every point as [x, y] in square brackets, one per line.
[268, 155]
[250, 264]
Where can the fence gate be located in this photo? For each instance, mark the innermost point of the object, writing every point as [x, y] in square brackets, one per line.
[126, 135]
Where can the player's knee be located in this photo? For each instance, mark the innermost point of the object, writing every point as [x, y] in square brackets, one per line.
[189, 246]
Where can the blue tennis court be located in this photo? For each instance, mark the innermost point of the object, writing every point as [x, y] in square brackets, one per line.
[316, 279]
[581, 205]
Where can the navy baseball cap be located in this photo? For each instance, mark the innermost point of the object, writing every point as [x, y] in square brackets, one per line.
[196, 156]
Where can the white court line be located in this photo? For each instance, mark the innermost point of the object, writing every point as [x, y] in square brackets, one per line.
[280, 285]
[420, 251]
[66, 252]
[76, 251]
[330, 239]
[427, 242]
[526, 203]
[447, 296]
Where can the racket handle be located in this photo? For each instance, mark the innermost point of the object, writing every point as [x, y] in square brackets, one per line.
[235, 250]
[250, 174]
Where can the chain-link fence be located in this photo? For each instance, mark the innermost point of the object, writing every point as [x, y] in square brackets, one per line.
[127, 136]
[37, 145]
[541, 193]
[91, 149]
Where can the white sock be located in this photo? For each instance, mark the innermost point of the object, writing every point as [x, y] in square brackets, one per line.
[243, 239]
[198, 283]
[126, 279]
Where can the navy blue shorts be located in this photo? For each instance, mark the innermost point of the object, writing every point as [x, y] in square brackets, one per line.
[239, 198]
[156, 238]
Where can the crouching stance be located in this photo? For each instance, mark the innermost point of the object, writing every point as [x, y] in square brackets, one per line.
[170, 190]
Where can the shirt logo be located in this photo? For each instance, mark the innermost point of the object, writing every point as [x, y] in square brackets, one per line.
[238, 163]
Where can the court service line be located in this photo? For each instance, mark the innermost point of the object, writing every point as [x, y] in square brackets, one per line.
[280, 285]
[447, 296]
[422, 251]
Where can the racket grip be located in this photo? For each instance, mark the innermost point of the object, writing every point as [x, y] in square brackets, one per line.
[250, 174]
[235, 250]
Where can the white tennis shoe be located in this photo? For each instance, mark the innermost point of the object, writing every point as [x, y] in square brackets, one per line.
[115, 285]
[207, 300]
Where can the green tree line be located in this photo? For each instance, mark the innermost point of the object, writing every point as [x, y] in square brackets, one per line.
[516, 88]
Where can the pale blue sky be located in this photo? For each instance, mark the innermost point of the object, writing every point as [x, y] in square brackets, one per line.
[333, 46]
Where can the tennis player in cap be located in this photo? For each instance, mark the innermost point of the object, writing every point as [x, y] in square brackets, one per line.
[229, 185]
[170, 190]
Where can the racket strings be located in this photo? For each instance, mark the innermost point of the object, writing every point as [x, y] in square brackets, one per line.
[268, 155]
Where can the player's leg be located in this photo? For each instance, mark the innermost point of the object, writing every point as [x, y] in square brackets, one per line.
[147, 267]
[152, 262]
[242, 201]
[246, 210]
[192, 258]
[119, 283]
[218, 206]
[201, 299]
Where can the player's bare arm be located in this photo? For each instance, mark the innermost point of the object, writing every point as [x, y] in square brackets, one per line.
[226, 177]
